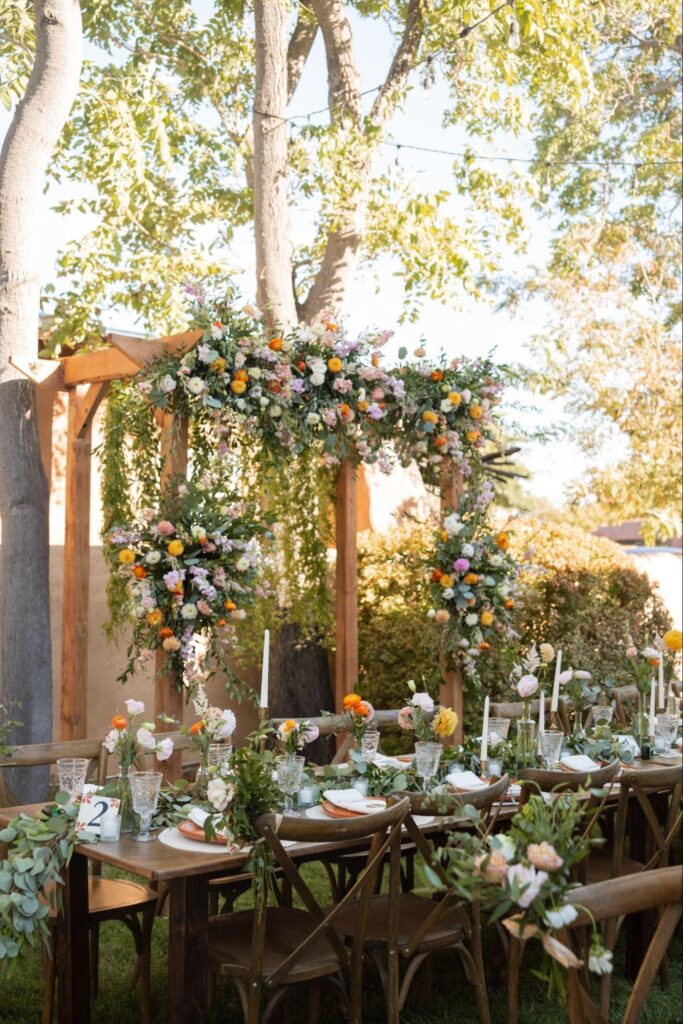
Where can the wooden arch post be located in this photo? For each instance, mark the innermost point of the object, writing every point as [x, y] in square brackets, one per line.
[346, 662]
[452, 689]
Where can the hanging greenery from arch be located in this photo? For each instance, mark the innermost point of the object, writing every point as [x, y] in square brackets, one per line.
[271, 416]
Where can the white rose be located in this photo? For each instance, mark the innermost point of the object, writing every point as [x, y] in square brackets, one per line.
[312, 419]
[153, 557]
[195, 385]
[566, 677]
[189, 611]
[263, 402]
[471, 619]
[580, 674]
[448, 594]
[167, 384]
[317, 380]
[468, 550]
[452, 524]
[431, 613]
[218, 795]
[135, 707]
[496, 560]
[256, 372]
[446, 405]
[276, 411]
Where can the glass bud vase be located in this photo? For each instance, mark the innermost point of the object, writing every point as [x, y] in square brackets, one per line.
[127, 812]
[526, 743]
[201, 779]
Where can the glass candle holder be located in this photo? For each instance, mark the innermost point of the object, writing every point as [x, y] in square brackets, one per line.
[110, 827]
[495, 768]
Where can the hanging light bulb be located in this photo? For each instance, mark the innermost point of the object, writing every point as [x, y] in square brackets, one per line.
[514, 37]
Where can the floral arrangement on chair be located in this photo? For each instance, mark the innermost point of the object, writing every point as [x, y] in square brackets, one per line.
[473, 579]
[525, 876]
[190, 572]
[429, 721]
[294, 735]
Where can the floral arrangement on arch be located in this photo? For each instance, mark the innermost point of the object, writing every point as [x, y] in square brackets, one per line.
[316, 386]
[429, 721]
[524, 876]
[474, 580]
[191, 571]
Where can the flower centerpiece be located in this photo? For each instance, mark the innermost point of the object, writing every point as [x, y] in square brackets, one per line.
[191, 571]
[213, 725]
[129, 738]
[473, 578]
[575, 683]
[525, 876]
[356, 717]
[295, 735]
[430, 722]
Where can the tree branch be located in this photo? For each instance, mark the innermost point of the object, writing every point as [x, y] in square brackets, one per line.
[300, 45]
[401, 65]
[343, 80]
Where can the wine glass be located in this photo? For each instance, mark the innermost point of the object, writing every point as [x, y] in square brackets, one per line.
[289, 771]
[144, 790]
[668, 730]
[72, 772]
[369, 745]
[427, 757]
[551, 745]
[499, 729]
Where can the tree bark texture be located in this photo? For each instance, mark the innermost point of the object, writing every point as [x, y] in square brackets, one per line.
[25, 651]
[303, 687]
[275, 294]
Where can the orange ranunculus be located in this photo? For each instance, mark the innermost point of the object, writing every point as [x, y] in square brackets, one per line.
[218, 365]
[119, 722]
[346, 413]
[139, 572]
[334, 364]
[155, 617]
[275, 387]
[484, 646]
[230, 606]
[363, 709]
[351, 700]
[509, 604]
[444, 536]
[241, 375]
[436, 575]
[654, 662]
[238, 387]
[220, 623]
[363, 406]
[476, 412]
[472, 602]
[218, 325]
[471, 578]
[165, 633]
[375, 361]
[436, 375]
[486, 618]
[288, 725]
[503, 541]
[301, 365]
[275, 344]
[429, 416]
[196, 727]
[454, 397]
[440, 441]
[331, 326]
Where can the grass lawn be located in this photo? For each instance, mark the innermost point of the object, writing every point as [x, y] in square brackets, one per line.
[450, 1001]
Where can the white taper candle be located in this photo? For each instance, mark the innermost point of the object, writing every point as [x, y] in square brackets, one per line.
[556, 683]
[661, 700]
[484, 754]
[541, 718]
[651, 720]
[264, 669]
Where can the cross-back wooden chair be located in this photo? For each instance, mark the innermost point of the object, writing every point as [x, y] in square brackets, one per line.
[534, 780]
[406, 927]
[109, 899]
[272, 949]
[660, 889]
[514, 710]
[659, 831]
[624, 699]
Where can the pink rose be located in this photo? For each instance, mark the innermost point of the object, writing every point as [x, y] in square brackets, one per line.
[544, 856]
[527, 686]
[204, 607]
[165, 529]
[496, 869]
[405, 719]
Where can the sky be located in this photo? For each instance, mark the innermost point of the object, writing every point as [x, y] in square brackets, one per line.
[474, 329]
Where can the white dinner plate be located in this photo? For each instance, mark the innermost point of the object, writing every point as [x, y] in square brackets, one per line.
[174, 838]
[318, 814]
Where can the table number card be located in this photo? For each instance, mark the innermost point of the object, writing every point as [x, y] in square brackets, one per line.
[93, 808]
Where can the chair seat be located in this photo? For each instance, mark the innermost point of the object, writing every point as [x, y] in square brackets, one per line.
[412, 912]
[109, 896]
[230, 945]
[599, 867]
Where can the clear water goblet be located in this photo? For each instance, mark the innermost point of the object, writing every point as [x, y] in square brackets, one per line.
[144, 791]
[668, 731]
[551, 745]
[427, 758]
[289, 771]
[71, 772]
[369, 745]
[498, 730]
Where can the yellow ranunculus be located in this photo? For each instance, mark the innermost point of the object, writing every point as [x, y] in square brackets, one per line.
[476, 412]
[429, 417]
[503, 541]
[473, 435]
[175, 548]
[218, 365]
[454, 397]
[288, 725]
[446, 581]
[445, 722]
[486, 618]
[238, 387]
[126, 556]
[673, 640]
[334, 364]
[155, 618]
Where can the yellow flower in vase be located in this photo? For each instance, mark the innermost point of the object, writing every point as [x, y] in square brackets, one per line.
[445, 722]
[673, 640]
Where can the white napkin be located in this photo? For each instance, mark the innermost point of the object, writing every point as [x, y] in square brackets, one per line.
[465, 781]
[198, 817]
[384, 761]
[578, 763]
[629, 741]
[344, 798]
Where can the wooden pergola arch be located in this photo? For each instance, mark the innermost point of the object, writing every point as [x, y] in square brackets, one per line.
[85, 378]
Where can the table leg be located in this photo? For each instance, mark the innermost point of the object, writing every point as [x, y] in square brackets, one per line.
[188, 949]
[73, 970]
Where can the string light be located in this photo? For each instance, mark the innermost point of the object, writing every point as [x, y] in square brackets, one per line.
[468, 154]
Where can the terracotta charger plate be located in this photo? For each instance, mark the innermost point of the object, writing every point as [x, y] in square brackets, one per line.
[192, 831]
[341, 812]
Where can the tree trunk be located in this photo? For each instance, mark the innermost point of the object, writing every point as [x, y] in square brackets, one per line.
[302, 687]
[275, 293]
[25, 650]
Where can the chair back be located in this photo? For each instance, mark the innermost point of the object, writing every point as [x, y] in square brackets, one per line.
[40, 754]
[452, 801]
[514, 710]
[623, 697]
[661, 829]
[550, 781]
[384, 831]
[663, 890]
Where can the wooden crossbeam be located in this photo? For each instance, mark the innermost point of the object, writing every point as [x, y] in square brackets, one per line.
[142, 352]
[94, 367]
[45, 373]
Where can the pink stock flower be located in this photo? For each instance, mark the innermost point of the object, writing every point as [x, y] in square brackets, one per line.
[204, 606]
[461, 565]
